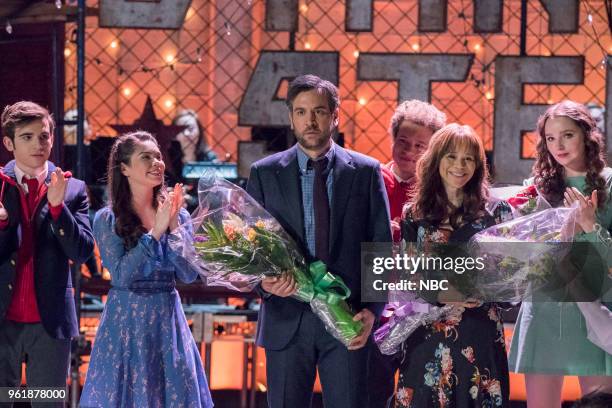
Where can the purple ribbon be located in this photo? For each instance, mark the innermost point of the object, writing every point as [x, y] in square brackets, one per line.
[400, 310]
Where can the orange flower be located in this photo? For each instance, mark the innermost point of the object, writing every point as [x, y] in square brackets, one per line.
[230, 232]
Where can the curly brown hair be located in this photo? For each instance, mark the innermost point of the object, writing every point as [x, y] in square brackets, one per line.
[128, 225]
[418, 112]
[549, 174]
[430, 202]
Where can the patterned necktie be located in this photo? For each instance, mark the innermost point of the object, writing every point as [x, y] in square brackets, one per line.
[321, 209]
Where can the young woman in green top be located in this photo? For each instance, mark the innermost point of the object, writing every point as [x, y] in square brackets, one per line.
[550, 338]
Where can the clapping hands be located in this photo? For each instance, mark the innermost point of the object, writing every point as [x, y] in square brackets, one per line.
[57, 187]
[3, 213]
[585, 217]
[168, 210]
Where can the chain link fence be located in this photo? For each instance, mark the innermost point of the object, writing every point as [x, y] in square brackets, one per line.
[206, 65]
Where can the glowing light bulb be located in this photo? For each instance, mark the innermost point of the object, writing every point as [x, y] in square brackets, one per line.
[356, 53]
[127, 91]
[114, 44]
[362, 101]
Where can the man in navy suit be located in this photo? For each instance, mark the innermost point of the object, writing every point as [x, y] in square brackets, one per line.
[354, 209]
[43, 224]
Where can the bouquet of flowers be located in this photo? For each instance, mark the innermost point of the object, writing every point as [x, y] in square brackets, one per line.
[237, 243]
[526, 201]
[519, 255]
[403, 318]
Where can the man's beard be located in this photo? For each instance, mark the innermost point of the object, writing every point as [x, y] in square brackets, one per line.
[321, 140]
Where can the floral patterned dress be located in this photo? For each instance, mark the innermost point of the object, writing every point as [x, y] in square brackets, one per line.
[459, 361]
[144, 354]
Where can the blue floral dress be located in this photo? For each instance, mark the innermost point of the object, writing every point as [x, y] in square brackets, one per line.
[144, 354]
[459, 361]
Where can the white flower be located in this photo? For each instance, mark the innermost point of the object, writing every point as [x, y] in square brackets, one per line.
[474, 391]
[494, 387]
[234, 221]
[429, 380]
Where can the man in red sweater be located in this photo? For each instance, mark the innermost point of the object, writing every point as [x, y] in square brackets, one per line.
[43, 224]
[412, 125]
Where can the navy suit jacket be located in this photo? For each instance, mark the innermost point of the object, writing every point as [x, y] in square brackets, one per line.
[359, 213]
[56, 242]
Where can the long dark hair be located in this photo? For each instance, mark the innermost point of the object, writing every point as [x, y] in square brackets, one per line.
[127, 223]
[202, 147]
[549, 174]
[430, 202]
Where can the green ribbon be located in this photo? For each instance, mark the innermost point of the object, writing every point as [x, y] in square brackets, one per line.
[333, 292]
[327, 286]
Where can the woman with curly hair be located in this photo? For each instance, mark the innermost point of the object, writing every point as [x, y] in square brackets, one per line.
[459, 360]
[550, 338]
[144, 354]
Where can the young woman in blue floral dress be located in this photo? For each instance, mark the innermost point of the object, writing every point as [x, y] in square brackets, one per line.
[144, 354]
[460, 360]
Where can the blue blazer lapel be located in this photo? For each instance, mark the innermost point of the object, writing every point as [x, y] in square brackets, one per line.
[288, 178]
[344, 172]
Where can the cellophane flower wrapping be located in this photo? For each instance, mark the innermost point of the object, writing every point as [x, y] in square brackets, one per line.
[403, 317]
[521, 255]
[237, 243]
[511, 273]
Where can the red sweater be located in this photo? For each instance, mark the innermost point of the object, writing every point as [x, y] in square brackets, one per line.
[23, 307]
[399, 193]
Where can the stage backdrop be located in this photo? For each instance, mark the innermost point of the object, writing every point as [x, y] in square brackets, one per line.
[230, 61]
